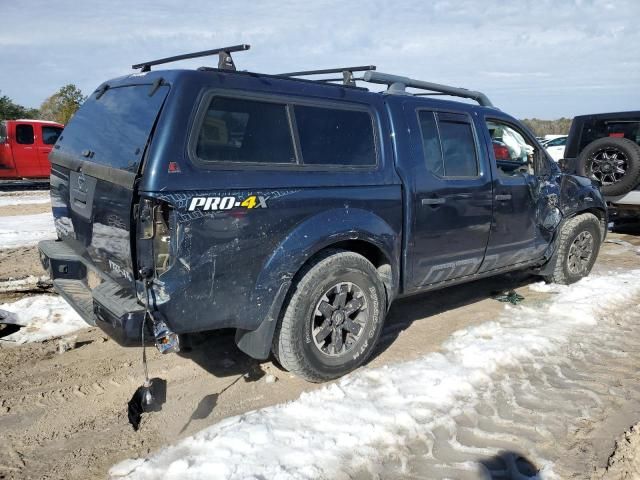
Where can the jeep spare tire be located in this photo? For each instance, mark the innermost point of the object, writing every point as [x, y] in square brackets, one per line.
[613, 162]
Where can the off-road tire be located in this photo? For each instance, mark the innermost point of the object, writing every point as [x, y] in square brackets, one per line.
[570, 233]
[293, 344]
[626, 147]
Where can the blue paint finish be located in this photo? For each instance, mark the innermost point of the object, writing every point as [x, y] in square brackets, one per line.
[232, 268]
[232, 263]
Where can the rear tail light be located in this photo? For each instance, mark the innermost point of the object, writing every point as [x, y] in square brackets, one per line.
[162, 241]
[157, 227]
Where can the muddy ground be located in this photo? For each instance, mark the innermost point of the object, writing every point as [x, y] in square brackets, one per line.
[65, 415]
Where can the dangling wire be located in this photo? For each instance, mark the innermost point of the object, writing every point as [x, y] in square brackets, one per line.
[147, 313]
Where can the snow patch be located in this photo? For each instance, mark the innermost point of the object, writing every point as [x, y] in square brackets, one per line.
[25, 230]
[42, 316]
[24, 198]
[385, 407]
[544, 287]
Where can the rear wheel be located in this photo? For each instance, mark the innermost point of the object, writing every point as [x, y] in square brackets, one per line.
[578, 248]
[613, 162]
[333, 317]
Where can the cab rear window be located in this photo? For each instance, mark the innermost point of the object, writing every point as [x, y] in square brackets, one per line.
[257, 132]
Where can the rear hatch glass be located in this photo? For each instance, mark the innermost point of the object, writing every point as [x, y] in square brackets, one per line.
[114, 126]
[95, 164]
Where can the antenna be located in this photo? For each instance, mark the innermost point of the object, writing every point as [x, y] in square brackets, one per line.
[225, 61]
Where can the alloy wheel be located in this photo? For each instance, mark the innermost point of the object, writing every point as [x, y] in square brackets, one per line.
[608, 166]
[580, 253]
[339, 319]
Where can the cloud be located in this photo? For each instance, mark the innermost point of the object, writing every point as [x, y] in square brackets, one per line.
[519, 52]
[516, 74]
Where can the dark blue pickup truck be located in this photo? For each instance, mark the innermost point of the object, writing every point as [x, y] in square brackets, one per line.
[295, 210]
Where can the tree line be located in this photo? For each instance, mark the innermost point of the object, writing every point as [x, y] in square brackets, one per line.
[59, 107]
[548, 127]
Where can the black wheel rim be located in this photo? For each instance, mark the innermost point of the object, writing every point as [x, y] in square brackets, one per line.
[608, 166]
[580, 253]
[339, 319]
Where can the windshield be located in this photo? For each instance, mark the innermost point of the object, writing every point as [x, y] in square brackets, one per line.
[113, 129]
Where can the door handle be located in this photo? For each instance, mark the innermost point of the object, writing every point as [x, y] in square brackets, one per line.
[433, 201]
[506, 196]
[460, 196]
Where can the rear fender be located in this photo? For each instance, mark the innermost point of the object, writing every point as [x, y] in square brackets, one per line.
[307, 239]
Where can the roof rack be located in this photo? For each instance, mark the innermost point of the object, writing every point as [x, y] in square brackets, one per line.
[397, 85]
[347, 74]
[225, 62]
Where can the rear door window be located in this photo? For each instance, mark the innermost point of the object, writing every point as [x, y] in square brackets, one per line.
[331, 136]
[458, 147]
[245, 131]
[24, 134]
[448, 143]
[431, 143]
[50, 135]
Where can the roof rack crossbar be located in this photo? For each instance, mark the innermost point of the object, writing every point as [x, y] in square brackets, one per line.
[303, 73]
[397, 84]
[347, 73]
[225, 62]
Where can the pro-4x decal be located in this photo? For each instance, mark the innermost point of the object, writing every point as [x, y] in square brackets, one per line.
[226, 203]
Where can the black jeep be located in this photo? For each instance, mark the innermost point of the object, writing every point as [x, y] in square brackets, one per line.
[606, 148]
[295, 210]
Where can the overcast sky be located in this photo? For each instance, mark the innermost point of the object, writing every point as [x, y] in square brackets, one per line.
[532, 58]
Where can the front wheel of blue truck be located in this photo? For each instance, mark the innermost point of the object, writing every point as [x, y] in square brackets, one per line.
[578, 247]
[332, 318]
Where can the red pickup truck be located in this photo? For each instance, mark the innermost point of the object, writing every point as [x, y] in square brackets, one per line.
[25, 147]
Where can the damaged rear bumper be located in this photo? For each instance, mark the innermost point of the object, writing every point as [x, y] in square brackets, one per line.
[107, 305]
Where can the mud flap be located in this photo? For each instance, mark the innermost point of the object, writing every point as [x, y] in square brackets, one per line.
[257, 343]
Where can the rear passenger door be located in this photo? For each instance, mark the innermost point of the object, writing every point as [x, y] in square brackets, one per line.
[24, 150]
[450, 198]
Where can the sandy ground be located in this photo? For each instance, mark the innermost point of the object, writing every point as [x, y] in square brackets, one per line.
[624, 462]
[65, 415]
[18, 263]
